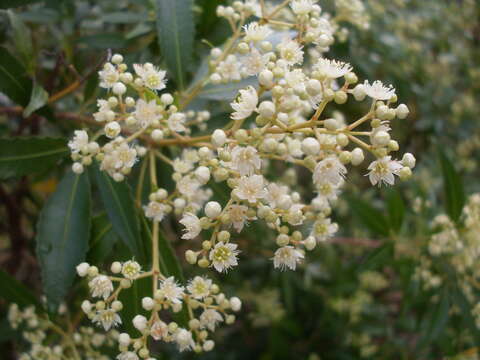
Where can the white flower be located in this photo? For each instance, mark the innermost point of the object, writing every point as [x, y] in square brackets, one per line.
[328, 190]
[245, 104]
[108, 76]
[112, 129]
[188, 186]
[378, 91]
[224, 256]
[176, 122]
[383, 170]
[199, 287]
[238, 216]
[131, 269]
[184, 340]
[323, 229]
[275, 194]
[229, 68]
[209, 319]
[287, 256]
[151, 76]
[329, 170]
[79, 141]
[171, 291]
[104, 112]
[192, 226]
[159, 330]
[128, 355]
[155, 210]
[290, 51]
[107, 318]
[302, 7]
[254, 62]
[251, 188]
[146, 112]
[101, 286]
[332, 69]
[245, 160]
[255, 32]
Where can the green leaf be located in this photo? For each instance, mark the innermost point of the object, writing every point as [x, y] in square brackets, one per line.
[131, 299]
[435, 320]
[373, 219]
[176, 31]
[14, 81]
[396, 209]
[38, 99]
[14, 291]
[7, 4]
[225, 92]
[22, 38]
[27, 155]
[466, 310]
[63, 231]
[453, 188]
[104, 41]
[378, 257]
[120, 206]
[102, 239]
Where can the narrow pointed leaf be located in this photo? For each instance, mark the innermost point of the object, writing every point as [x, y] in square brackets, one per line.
[27, 155]
[38, 99]
[15, 292]
[63, 233]
[14, 81]
[175, 29]
[396, 210]
[102, 240]
[22, 38]
[453, 188]
[372, 218]
[120, 207]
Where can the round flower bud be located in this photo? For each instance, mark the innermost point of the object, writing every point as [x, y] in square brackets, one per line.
[191, 257]
[116, 267]
[119, 88]
[381, 138]
[408, 160]
[129, 101]
[314, 87]
[345, 157]
[216, 53]
[342, 140]
[77, 168]
[341, 97]
[157, 135]
[351, 78]
[285, 202]
[265, 78]
[223, 236]
[393, 145]
[140, 322]
[208, 345]
[219, 138]
[382, 112]
[243, 48]
[118, 177]
[310, 146]
[402, 111]
[161, 194]
[235, 303]
[331, 124]
[215, 78]
[112, 101]
[310, 243]
[213, 209]
[203, 263]
[148, 303]
[86, 306]
[117, 59]
[179, 203]
[230, 319]
[117, 305]
[112, 129]
[166, 99]
[283, 240]
[203, 174]
[82, 269]
[357, 156]
[359, 92]
[266, 109]
[124, 339]
[405, 173]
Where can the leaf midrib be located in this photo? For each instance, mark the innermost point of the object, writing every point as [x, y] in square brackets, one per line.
[33, 156]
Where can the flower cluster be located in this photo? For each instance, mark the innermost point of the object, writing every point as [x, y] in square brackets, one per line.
[206, 306]
[286, 116]
[49, 341]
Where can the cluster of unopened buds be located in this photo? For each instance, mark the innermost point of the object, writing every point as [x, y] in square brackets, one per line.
[207, 308]
[279, 118]
[48, 340]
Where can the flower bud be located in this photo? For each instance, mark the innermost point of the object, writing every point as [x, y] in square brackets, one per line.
[408, 160]
[235, 303]
[116, 267]
[213, 209]
[203, 174]
[265, 78]
[381, 138]
[157, 135]
[148, 303]
[77, 168]
[124, 339]
[219, 138]
[119, 88]
[140, 322]
[359, 92]
[310, 243]
[82, 269]
[357, 156]
[310, 146]
[266, 109]
[402, 111]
